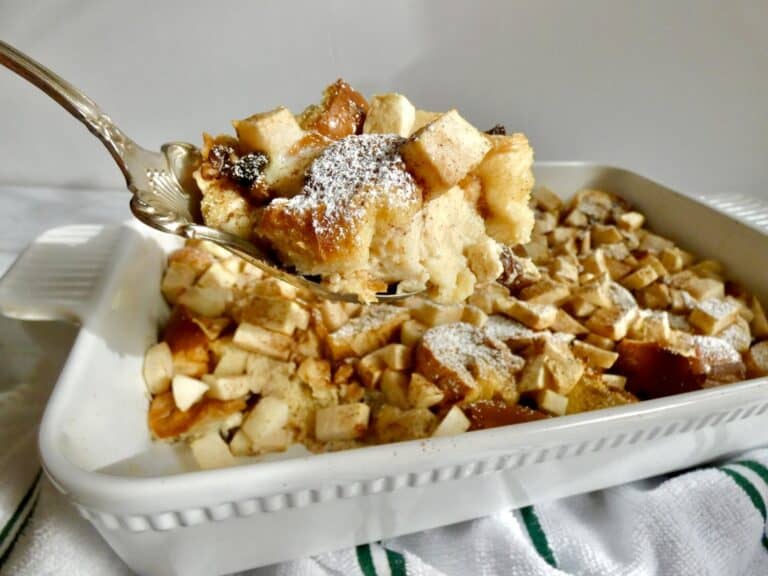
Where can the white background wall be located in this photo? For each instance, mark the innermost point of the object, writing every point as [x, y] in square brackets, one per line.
[677, 90]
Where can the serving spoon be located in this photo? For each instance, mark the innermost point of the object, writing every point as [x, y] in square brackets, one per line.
[165, 195]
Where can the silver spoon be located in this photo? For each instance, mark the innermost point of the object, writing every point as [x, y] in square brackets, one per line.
[165, 195]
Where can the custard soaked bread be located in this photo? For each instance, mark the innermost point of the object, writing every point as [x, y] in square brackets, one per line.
[594, 311]
[371, 194]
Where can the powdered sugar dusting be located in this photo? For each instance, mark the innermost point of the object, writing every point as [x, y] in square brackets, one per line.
[461, 347]
[349, 176]
[372, 318]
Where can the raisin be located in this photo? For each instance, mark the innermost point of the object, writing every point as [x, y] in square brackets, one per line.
[247, 169]
[498, 130]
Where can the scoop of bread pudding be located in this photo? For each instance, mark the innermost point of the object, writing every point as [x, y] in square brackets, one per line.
[367, 194]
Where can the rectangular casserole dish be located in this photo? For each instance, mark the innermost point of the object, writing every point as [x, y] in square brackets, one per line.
[162, 516]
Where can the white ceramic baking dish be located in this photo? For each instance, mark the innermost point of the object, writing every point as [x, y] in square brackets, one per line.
[163, 517]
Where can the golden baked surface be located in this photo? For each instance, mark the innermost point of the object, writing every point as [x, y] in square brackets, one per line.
[371, 193]
[594, 311]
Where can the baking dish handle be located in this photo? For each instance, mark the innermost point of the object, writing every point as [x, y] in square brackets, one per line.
[59, 275]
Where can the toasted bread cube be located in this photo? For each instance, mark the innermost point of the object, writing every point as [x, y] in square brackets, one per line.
[455, 422]
[210, 451]
[177, 279]
[333, 314]
[594, 356]
[433, 314]
[473, 315]
[656, 296]
[187, 391]
[655, 243]
[614, 381]
[547, 200]
[672, 259]
[210, 302]
[640, 278]
[737, 335]
[273, 132]
[158, 368]
[534, 376]
[422, 118]
[369, 331]
[545, 291]
[441, 153]
[600, 341]
[596, 293]
[563, 234]
[595, 263]
[343, 422]
[545, 223]
[713, 315]
[602, 234]
[617, 269]
[580, 307]
[592, 393]
[217, 276]
[551, 402]
[537, 248]
[423, 393]
[651, 327]
[612, 323]
[576, 218]
[369, 369]
[655, 263]
[708, 269]
[267, 418]
[535, 316]
[757, 359]
[395, 356]
[630, 220]
[566, 323]
[411, 332]
[266, 372]
[564, 270]
[389, 114]
[240, 444]
[565, 369]
[759, 323]
[232, 362]
[704, 288]
[394, 385]
[483, 259]
[257, 339]
[314, 372]
[227, 387]
[277, 315]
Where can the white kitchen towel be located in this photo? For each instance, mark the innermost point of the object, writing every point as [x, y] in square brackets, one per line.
[705, 522]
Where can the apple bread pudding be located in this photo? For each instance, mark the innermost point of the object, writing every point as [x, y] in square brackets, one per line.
[594, 311]
[372, 193]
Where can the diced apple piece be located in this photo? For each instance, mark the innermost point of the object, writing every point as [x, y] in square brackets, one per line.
[455, 422]
[187, 391]
[210, 451]
[390, 114]
[158, 368]
[343, 422]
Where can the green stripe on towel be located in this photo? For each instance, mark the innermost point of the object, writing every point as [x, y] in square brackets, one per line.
[537, 535]
[365, 560]
[756, 467]
[752, 493]
[19, 509]
[396, 562]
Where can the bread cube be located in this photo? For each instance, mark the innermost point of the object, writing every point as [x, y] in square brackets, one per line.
[158, 368]
[232, 362]
[369, 331]
[612, 323]
[265, 420]
[430, 313]
[474, 315]
[594, 356]
[551, 402]
[614, 381]
[545, 291]
[444, 151]
[273, 132]
[640, 278]
[257, 339]
[545, 199]
[713, 315]
[394, 385]
[411, 332]
[422, 393]
[630, 220]
[757, 360]
[210, 451]
[389, 114]
[704, 288]
[535, 316]
[567, 324]
[227, 387]
[217, 276]
[205, 301]
[177, 279]
[455, 422]
[278, 315]
[759, 323]
[343, 422]
[187, 391]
